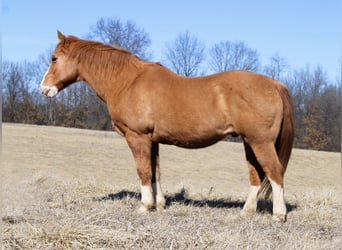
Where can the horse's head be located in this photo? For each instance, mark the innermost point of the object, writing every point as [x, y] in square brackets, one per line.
[62, 70]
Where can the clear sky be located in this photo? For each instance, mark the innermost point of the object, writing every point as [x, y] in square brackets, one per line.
[303, 31]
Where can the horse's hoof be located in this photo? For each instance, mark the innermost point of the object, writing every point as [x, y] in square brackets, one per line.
[161, 209]
[143, 210]
[279, 217]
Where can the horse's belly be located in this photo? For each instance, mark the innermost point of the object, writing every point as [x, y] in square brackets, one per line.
[193, 128]
[189, 143]
[193, 139]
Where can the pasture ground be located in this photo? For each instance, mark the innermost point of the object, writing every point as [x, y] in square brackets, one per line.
[68, 188]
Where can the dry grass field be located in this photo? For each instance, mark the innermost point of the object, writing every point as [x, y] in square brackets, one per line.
[78, 189]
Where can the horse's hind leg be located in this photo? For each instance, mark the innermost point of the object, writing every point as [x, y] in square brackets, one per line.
[268, 159]
[157, 191]
[256, 175]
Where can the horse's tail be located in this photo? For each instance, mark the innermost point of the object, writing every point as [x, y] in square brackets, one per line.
[284, 140]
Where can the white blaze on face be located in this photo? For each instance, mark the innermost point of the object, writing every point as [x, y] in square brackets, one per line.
[49, 91]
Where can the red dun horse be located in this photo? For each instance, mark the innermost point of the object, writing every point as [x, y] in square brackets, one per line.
[149, 104]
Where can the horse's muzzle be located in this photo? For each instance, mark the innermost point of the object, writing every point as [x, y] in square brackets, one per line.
[48, 91]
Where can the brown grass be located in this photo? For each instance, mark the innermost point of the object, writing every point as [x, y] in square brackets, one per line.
[78, 189]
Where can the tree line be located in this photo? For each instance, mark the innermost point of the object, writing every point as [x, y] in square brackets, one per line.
[316, 98]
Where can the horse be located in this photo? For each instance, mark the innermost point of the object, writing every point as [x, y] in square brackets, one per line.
[149, 104]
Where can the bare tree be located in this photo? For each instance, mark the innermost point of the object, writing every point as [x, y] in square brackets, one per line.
[185, 54]
[229, 55]
[123, 34]
[12, 80]
[330, 120]
[5, 70]
[278, 65]
[18, 103]
[317, 109]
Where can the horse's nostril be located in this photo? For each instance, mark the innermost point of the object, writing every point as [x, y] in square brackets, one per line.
[49, 91]
[44, 90]
[52, 92]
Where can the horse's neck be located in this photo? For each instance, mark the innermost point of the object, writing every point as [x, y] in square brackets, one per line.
[108, 83]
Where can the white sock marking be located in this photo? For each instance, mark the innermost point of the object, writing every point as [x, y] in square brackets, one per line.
[147, 196]
[251, 202]
[279, 207]
[160, 199]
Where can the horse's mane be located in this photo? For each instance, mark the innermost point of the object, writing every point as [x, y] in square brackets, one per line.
[100, 57]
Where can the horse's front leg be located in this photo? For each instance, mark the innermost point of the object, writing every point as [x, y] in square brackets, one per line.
[141, 147]
[157, 191]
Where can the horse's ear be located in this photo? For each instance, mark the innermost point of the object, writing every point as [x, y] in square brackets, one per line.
[61, 37]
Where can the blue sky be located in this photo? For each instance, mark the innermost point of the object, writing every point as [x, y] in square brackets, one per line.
[305, 32]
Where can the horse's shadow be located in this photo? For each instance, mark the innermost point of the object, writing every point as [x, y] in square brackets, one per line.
[180, 197]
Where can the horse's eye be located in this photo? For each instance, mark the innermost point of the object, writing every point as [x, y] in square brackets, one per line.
[53, 59]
